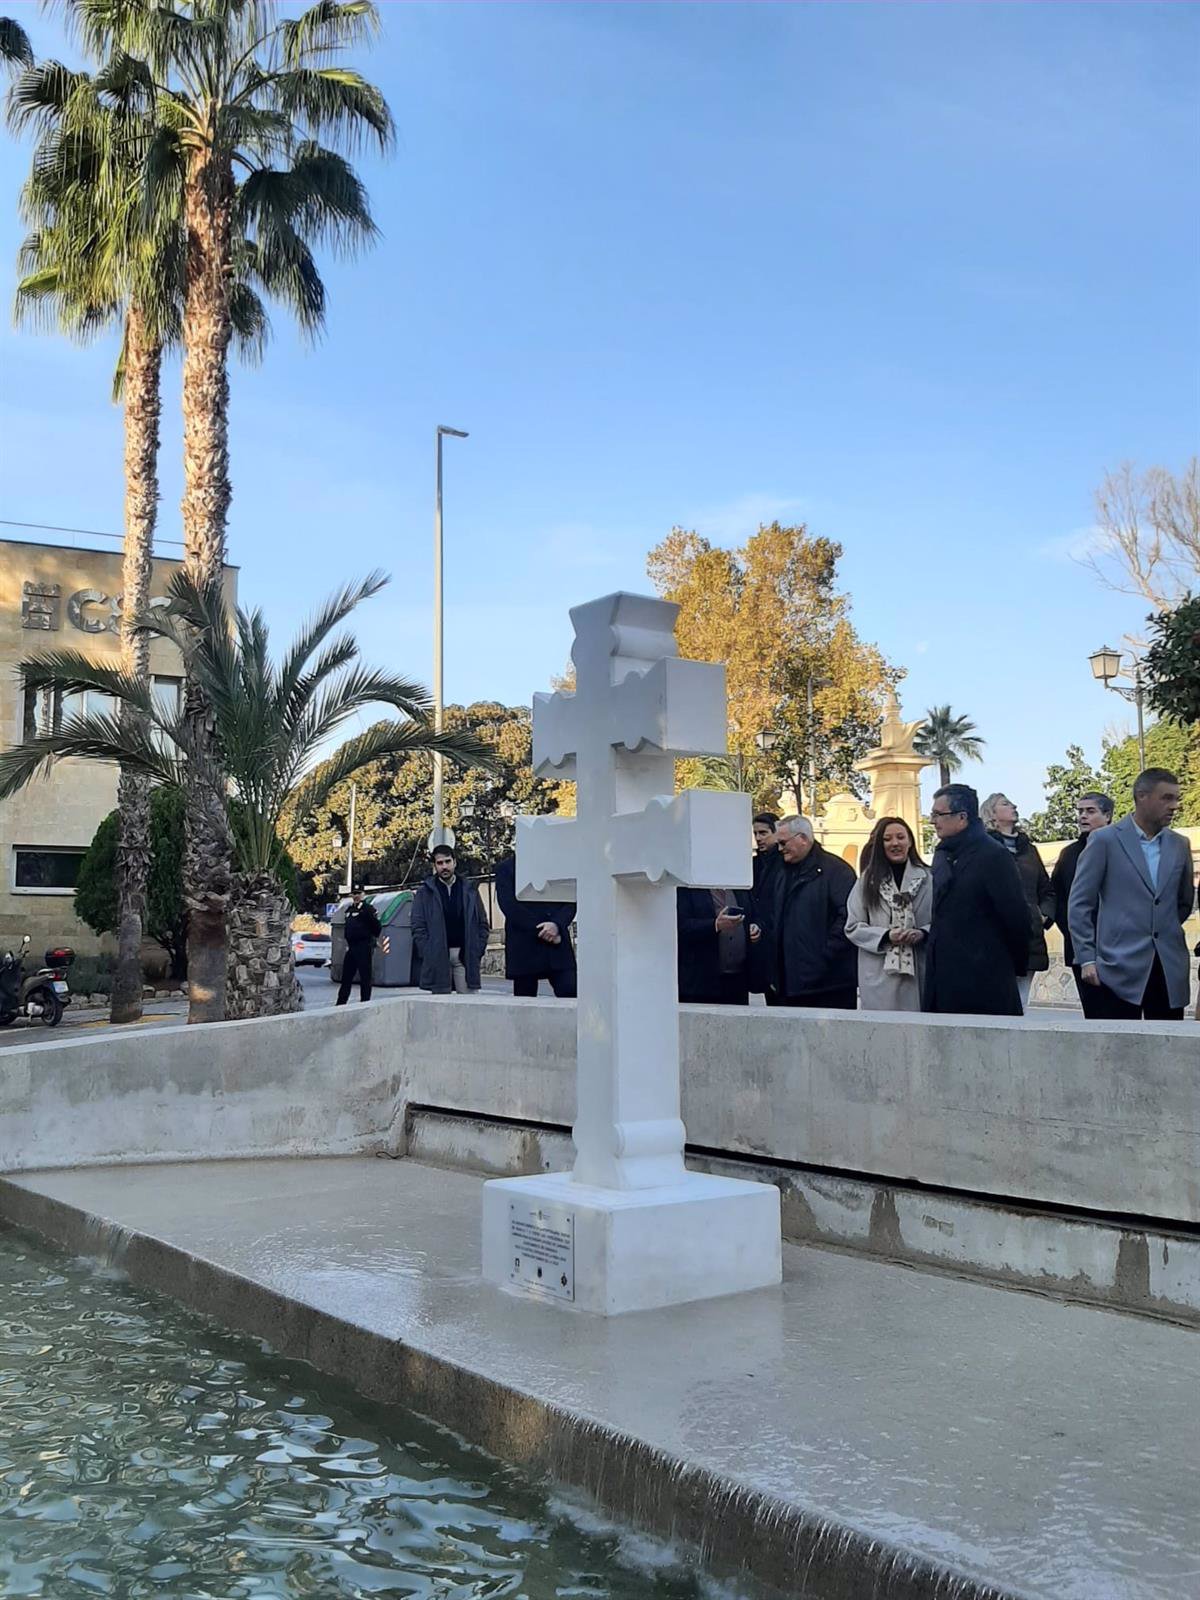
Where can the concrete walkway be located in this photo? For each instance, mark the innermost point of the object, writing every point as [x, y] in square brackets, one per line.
[866, 1431]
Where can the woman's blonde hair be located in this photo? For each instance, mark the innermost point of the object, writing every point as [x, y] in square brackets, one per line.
[987, 810]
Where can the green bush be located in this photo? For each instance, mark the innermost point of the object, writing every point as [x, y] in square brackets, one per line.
[96, 887]
[91, 974]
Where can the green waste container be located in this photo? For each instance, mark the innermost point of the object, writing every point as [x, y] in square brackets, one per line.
[393, 964]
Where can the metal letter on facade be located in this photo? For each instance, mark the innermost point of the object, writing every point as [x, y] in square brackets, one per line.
[40, 604]
[93, 597]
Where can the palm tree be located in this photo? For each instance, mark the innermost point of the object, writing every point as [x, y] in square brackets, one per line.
[95, 259]
[235, 90]
[257, 766]
[949, 740]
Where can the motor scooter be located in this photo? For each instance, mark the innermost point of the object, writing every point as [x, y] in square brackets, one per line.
[39, 996]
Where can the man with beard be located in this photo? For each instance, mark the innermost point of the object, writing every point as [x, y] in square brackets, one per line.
[1092, 812]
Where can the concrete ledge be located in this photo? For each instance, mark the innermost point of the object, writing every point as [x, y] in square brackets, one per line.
[1038, 1113]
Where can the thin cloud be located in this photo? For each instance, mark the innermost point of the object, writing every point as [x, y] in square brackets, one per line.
[738, 519]
[1065, 547]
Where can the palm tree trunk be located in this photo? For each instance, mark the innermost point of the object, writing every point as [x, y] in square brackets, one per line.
[142, 405]
[262, 971]
[944, 771]
[208, 199]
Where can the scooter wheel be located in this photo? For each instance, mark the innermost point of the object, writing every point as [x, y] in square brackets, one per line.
[52, 1007]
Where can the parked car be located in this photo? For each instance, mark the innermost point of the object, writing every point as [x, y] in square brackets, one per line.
[311, 949]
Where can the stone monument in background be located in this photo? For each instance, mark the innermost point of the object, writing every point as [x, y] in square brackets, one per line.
[894, 768]
[630, 1228]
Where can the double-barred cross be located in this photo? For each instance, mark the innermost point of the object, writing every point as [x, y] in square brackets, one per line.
[635, 710]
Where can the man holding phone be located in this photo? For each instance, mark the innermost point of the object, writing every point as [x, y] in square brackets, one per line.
[718, 931]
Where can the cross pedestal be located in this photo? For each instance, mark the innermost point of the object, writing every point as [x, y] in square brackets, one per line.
[630, 1228]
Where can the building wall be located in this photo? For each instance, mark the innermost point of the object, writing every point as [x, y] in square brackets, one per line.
[53, 597]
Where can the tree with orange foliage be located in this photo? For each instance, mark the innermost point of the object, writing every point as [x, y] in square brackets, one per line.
[772, 613]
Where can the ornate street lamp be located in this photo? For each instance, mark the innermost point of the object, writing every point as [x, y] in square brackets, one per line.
[1107, 666]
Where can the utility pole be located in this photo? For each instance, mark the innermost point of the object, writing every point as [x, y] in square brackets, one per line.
[439, 833]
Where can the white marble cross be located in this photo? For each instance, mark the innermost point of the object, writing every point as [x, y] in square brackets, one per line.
[635, 709]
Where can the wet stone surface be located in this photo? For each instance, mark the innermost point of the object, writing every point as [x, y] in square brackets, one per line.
[145, 1453]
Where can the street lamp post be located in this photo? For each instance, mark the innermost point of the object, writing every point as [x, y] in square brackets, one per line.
[766, 740]
[439, 833]
[1107, 666]
[350, 838]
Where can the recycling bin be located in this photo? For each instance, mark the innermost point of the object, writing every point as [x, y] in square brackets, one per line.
[393, 963]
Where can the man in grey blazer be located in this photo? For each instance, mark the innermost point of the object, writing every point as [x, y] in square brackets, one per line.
[1132, 893]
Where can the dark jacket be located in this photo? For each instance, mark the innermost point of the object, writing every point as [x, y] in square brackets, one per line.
[700, 978]
[979, 941]
[808, 951]
[362, 925]
[767, 863]
[429, 936]
[1039, 897]
[1061, 880]
[525, 955]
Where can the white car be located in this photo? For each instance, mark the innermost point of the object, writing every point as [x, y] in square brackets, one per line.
[311, 949]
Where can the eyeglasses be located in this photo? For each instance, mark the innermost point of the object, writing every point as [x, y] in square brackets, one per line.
[933, 814]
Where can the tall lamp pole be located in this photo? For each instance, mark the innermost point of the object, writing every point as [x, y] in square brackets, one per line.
[350, 838]
[1107, 666]
[439, 833]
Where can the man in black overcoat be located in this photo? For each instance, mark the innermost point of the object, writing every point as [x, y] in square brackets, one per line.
[1092, 811]
[537, 938]
[810, 961]
[979, 942]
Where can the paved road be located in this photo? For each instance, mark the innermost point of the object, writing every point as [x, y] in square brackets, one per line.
[318, 993]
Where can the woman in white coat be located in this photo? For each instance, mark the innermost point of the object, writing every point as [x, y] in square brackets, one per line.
[888, 917]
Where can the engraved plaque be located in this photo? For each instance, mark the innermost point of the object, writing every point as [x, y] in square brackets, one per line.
[542, 1241]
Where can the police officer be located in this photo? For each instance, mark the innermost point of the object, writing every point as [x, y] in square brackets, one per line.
[362, 930]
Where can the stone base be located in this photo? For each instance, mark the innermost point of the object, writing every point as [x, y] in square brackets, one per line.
[608, 1250]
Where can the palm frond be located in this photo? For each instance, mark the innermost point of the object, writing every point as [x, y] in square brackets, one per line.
[251, 324]
[326, 27]
[382, 739]
[281, 262]
[15, 48]
[94, 738]
[318, 196]
[317, 628]
[40, 94]
[337, 101]
[72, 672]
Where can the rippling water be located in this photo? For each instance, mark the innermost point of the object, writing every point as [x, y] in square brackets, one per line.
[144, 1453]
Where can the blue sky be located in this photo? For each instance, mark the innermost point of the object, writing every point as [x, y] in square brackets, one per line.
[914, 274]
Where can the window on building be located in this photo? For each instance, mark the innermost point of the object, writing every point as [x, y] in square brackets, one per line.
[168, 695]
[45, 871]
[41, 712]
[89, 703]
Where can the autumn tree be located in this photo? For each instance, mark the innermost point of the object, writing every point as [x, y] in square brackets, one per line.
[1064, 783]
[772, 612]
[394, 808]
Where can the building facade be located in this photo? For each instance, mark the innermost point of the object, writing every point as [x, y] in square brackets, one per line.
[53, 597]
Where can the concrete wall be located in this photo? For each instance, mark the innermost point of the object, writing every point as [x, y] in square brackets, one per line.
[324, 1083]
[1057, 1112]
